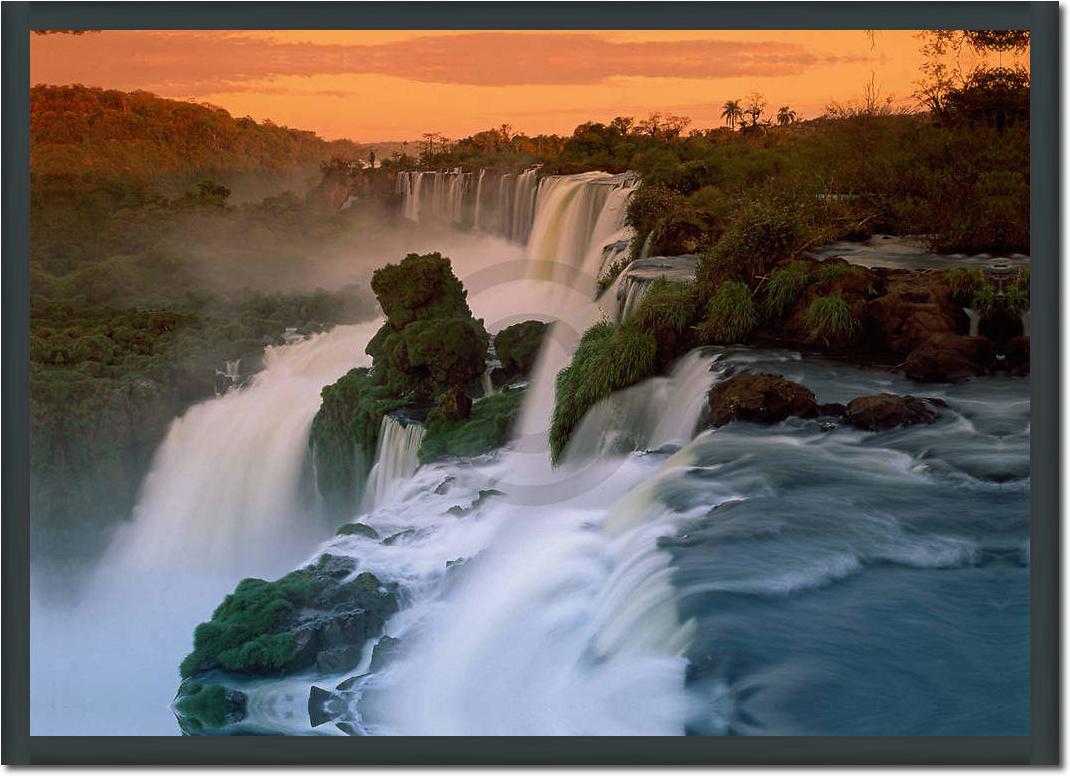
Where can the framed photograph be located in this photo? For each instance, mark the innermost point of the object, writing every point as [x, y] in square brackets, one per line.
[451, 376]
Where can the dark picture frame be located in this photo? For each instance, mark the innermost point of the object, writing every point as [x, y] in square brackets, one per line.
[1041, 747]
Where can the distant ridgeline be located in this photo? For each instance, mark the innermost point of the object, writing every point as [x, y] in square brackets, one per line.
[78, 129]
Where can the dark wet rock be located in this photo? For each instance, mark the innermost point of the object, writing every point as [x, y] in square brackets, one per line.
[482, 498]
[347, 728]
[832, 410]
[348, 684]
[397, 537]
[338, 660]
[759, 398]
[357, 529]
[950, 358]
[318, 699]
[887, 410]
[385, 650]
[1017, 357]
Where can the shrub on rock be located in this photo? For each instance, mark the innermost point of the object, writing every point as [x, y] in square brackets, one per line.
[517, 347]
[486, 428]
[418, 288]
[667, 311]
[429, 356]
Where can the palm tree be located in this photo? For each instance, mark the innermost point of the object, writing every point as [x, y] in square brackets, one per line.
[785, 116]
[732, 113]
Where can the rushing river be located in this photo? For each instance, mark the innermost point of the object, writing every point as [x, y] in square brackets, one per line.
[786, 580]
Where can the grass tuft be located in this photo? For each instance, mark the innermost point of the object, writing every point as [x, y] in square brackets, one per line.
[731, 314]
[784, 286]
[830, 318]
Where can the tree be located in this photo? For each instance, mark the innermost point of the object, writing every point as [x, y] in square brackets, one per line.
[371, 158]
[785, 116]
[755, 107]
[732, 113]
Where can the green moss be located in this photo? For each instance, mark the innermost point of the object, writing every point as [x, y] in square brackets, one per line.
[1017, 293]
[608, 358]
[730, 314]
[344, 435]
[667, 312]
[830, 318]
[986, 301]
[210, 706]
[357, 529]
[487, 428]
[419, 287]
[249, 632]
[518, 346]
[784, 286]
[429, 356]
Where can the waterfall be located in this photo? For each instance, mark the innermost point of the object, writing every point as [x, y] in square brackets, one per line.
[225, 486]
[477, 221]
[575, 217]
[523, 208]
[975, 320]
[395, 460]
[445, 199]
[486, 382]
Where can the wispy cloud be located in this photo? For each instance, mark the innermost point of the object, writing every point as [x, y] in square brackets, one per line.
[188, 62]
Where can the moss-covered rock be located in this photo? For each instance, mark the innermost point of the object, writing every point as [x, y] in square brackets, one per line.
[308, 617]
[419, 287]
[667, 312]
[487, 427]
[609, 357]
[202, 707]
[517, 347]
[357, 529]
[344, 434]
[429, 356]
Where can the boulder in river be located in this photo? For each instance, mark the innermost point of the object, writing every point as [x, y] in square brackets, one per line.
[887, 410]
[759, 398]
[950, 358]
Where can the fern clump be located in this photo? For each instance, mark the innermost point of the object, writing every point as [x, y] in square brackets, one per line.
[830, 318]
[609, 358]
[784, 286]
[731, 314]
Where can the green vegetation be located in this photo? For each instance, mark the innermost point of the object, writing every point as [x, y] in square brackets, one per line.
[487, 428]
[419, 288]
[252, 631]
[731, 314]
[964, 283]
[667, 312]
[608, 358]
[429, 356]
[210, 706]
[784, 286]
[1017, 293]
[517, 347]
[344, 435]
[830, 319]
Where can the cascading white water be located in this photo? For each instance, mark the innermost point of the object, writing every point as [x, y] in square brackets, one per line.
[975, 320]
[523, 205]
[576, 216]
[224, 488]
[477, 220]
[444, 199]
[395, 460]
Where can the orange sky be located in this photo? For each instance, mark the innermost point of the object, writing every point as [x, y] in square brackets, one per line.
[373, 85]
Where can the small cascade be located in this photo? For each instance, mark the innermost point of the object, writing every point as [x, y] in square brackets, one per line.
[440, 195]
[975, 320]
[627, 292]
[488, 385]
[477, 220]
[395, 460]
[229, 377]
[657, 412]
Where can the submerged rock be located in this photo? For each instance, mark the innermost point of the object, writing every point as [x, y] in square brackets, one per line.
[887, 410]
[357, 529]
[759, 398]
